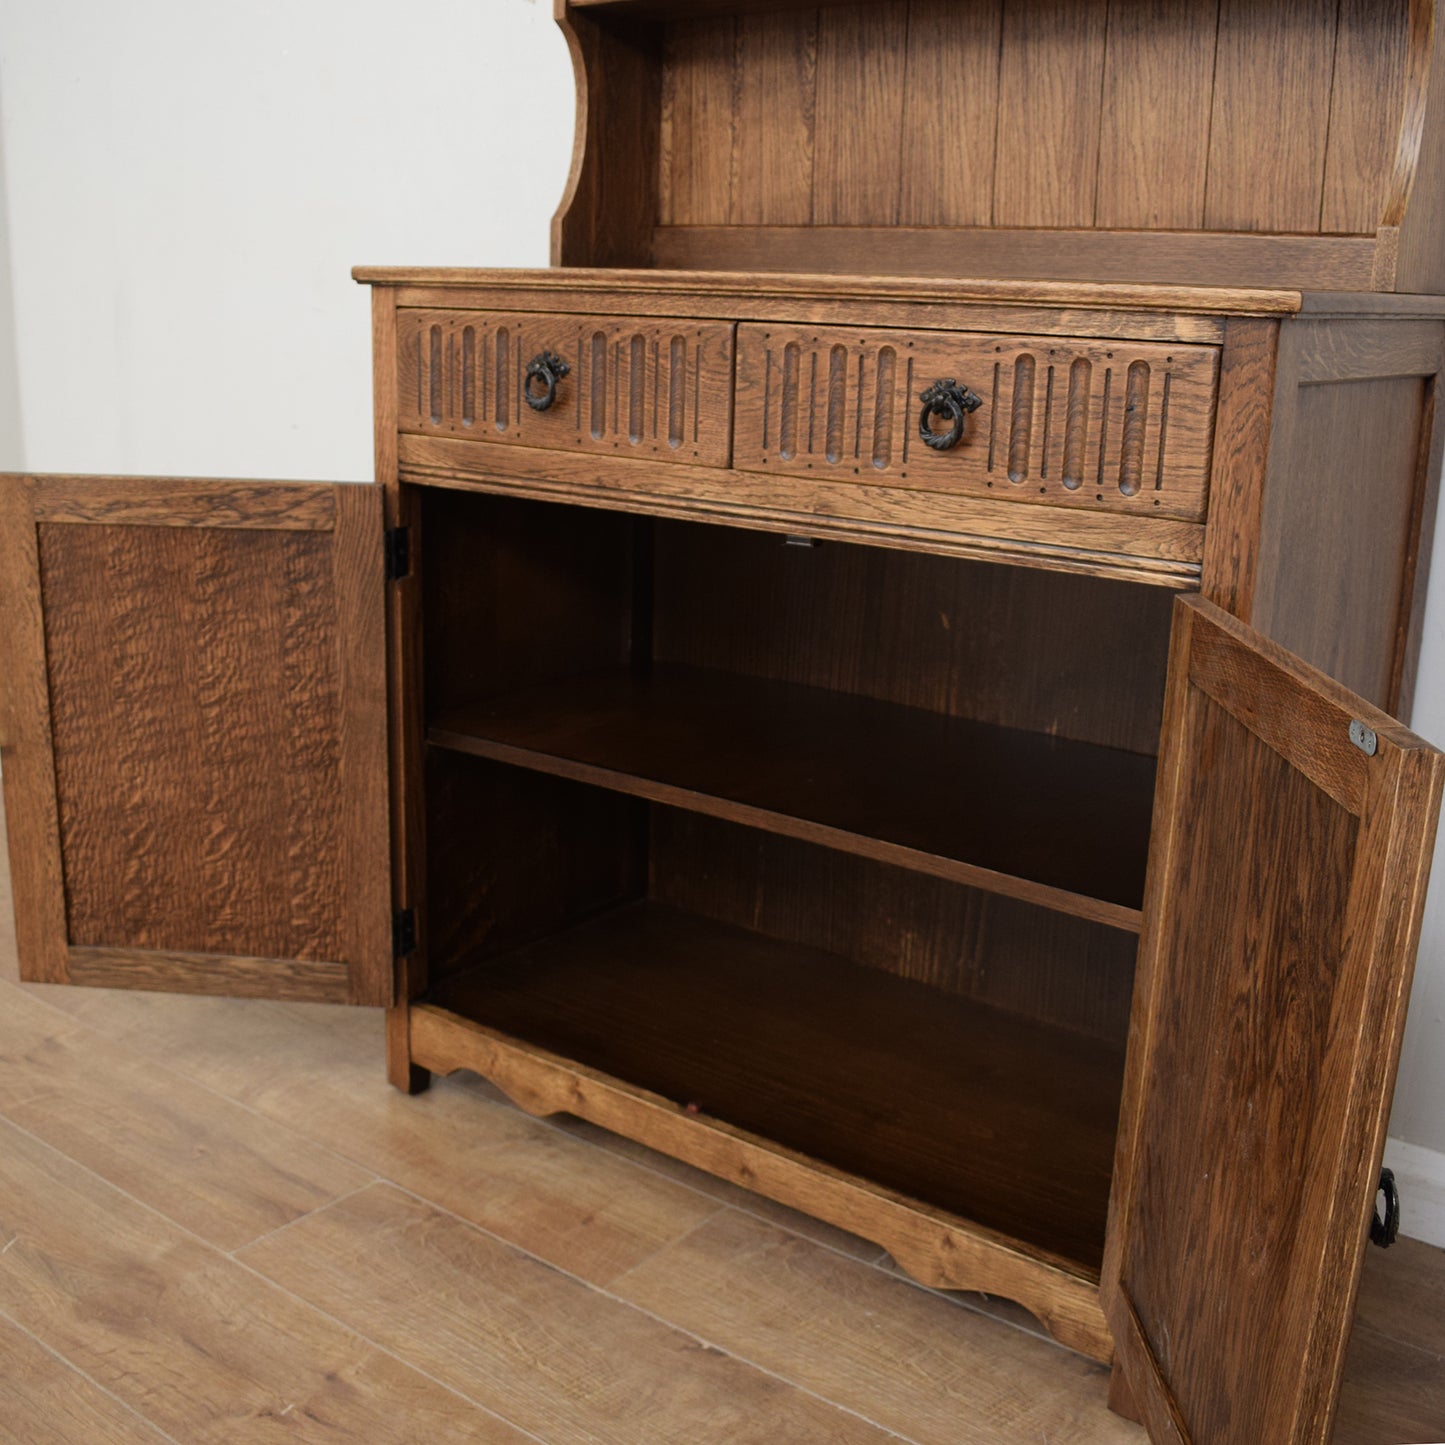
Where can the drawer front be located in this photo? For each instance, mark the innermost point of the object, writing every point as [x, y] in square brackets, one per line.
[651, 386]
[1105, 425]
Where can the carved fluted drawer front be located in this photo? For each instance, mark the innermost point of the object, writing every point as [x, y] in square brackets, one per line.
[654, 387]
[1106, 425]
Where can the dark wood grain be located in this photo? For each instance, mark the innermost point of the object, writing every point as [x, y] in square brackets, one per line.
[1410, 623]
[516, 593]
[26, 745]
[216, 698]
[210, 823]
[362, 775]
[1036, 962]
[1073, 657]
[167, 971]
[513, 856]
[1046, 819]
[868, 1073]
[178, 502]
[1275, 989]
[1337, 557]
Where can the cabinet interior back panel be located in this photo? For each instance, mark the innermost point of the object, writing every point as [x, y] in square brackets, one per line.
[1036, 113]
[1075, 657]
[211, 820]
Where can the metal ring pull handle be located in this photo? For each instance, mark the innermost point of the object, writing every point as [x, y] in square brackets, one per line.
[548, 369]
[947, 401]
[1385, 1231]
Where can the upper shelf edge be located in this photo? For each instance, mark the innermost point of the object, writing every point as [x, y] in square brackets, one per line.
[1106, 295]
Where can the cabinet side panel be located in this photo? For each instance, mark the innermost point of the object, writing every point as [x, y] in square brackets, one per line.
[1348, 466]
[608, 213]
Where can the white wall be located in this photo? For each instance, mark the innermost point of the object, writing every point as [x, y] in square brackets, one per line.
[186, 185]
[189, 182]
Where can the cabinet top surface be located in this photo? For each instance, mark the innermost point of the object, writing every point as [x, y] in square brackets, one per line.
[1215, 300]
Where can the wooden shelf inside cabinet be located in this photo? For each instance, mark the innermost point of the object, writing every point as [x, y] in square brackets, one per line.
[1004, 1122]
[1048, 820]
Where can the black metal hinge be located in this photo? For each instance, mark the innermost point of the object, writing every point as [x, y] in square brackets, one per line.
[398, 553]
[403, 932]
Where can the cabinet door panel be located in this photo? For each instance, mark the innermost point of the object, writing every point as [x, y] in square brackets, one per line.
[1286, 878]
[195, 735]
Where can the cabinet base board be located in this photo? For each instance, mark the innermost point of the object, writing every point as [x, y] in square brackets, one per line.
[934, 1247]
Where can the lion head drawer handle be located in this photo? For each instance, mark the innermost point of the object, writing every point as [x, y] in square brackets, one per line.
[543, 373]
[949, 402]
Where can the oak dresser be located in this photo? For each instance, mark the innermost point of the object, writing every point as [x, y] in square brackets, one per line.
[873, 674]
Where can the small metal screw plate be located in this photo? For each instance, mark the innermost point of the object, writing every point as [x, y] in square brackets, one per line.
[1364, 738]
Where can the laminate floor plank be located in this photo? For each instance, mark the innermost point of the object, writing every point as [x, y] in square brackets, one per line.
[208, 1351]
[44, 1401]
[565, 1361]
[318, 1070]
[1404, 1287]
[1393, 1391]
[199, 1345]
[912, 1362]
[209, 1164]
[995, 1306]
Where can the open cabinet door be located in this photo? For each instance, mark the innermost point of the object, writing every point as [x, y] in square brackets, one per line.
[1292, 835]
[193, 721]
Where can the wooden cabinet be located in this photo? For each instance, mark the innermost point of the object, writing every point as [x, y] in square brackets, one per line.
[975, 845]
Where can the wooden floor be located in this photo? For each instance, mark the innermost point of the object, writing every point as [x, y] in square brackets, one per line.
[218, 1224]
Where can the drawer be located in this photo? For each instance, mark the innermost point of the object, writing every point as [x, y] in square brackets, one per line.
[649, 386]
[1105, 425]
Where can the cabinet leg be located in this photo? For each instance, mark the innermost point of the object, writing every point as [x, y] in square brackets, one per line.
[1121, 1397]
[400, 1071]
